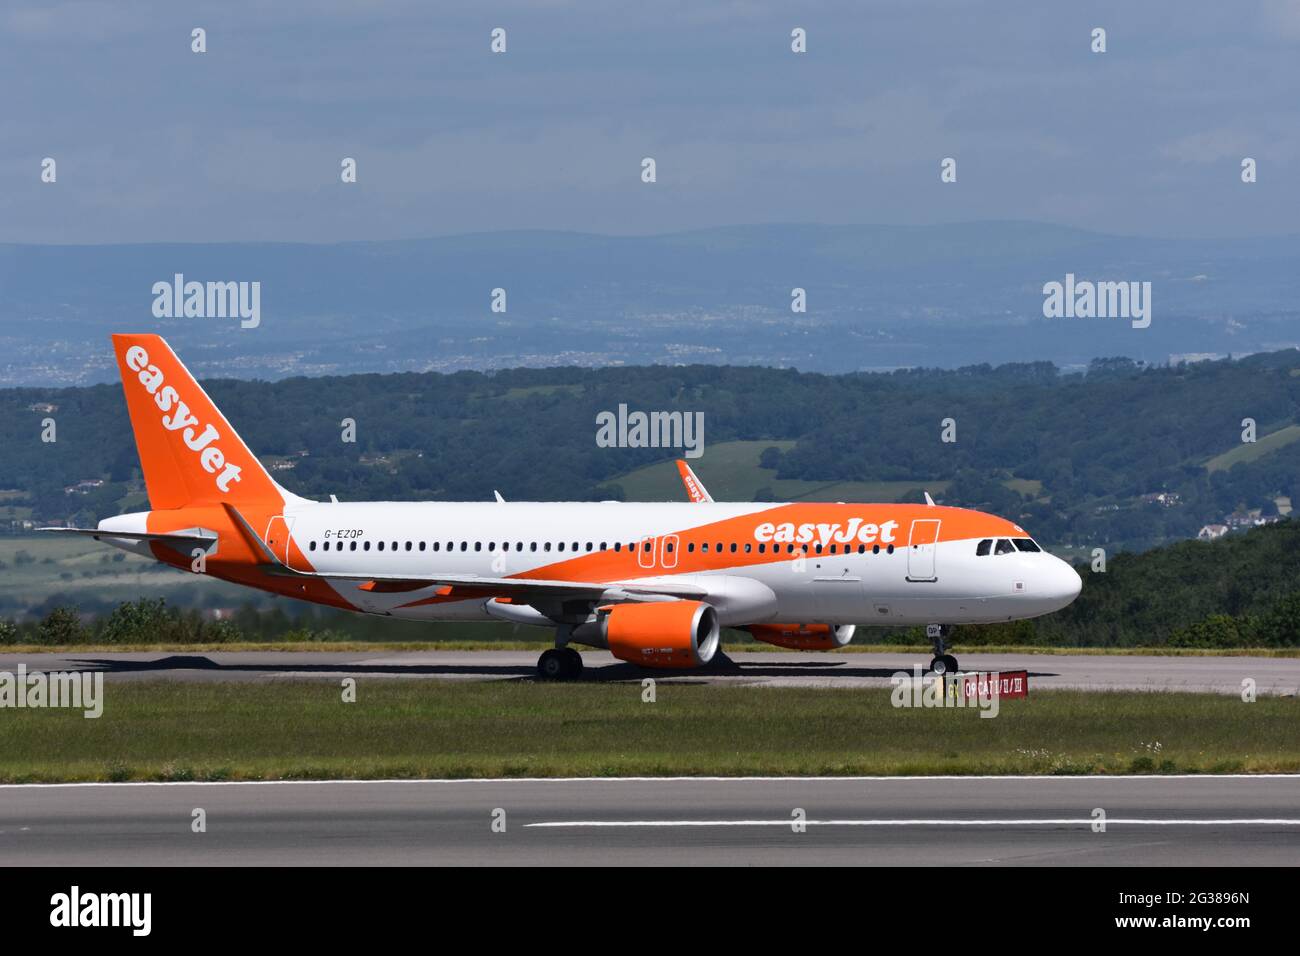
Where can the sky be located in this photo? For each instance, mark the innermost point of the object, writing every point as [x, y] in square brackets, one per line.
[156, 143]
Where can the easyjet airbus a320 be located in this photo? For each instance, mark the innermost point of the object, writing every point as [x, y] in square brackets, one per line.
[653, 583]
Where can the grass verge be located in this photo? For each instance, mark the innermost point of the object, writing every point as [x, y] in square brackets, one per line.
[366, 647]
[401, 728]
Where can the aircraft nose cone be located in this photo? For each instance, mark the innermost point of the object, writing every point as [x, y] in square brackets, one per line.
[1065, 582]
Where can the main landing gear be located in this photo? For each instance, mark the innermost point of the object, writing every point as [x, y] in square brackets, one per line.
[943, 662]
[559, 663]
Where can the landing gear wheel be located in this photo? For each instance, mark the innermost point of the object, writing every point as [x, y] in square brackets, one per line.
[553, 665]
[575, 662]
[943, 663]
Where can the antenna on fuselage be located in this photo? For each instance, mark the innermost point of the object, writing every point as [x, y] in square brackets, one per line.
[928, 500]
[500, 500]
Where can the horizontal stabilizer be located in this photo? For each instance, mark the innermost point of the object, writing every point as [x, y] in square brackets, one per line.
[200, 539]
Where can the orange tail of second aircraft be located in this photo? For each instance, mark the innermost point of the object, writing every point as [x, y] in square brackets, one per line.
[189, 454]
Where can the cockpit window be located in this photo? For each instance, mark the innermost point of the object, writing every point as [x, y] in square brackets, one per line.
[1004, 547]
[983, 547]
[1026, 544]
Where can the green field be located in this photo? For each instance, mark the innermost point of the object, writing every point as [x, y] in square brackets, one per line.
[1257, 449]
[35, 567]
[731, 473]
[406, 728]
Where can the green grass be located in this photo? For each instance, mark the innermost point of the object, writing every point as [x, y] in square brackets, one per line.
[407, 728]
[347, 645]
[1253, 450]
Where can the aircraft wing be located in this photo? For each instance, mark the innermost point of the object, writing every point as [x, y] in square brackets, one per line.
[695, 489]
[471, 585]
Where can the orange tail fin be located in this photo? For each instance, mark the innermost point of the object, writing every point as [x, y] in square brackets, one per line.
[188, 452]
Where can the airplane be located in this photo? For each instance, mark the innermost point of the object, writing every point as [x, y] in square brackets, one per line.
[653, 583]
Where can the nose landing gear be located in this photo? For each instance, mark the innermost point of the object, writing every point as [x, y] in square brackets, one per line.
[943, 663]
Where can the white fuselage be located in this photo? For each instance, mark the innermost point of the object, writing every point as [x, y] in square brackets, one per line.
[945, 581]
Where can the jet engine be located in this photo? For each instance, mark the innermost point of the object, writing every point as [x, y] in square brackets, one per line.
[804, 637]
[658, 633]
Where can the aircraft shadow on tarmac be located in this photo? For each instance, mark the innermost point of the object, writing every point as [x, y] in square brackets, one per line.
[720, 666]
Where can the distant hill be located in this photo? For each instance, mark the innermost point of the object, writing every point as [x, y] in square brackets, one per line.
[879, 297]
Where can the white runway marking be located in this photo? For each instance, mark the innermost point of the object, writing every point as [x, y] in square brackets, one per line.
[1053, 821]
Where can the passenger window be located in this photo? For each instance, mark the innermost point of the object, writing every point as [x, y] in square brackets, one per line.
[312, 546]
[464, 545]
[532, 546]
[690, 547]
[1004, 547]
[704, 548]
[668, 546]
[1026, 544]
[618, 545]
[365, 546]
[421, 545]
[408, 546]
[762, 549]
[546, 546]
[588, 545]
[748, 547]
[353, 547]
[983, 547]
[436, 545]
[381, 546]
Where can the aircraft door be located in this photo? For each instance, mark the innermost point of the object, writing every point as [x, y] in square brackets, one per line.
[922, 543]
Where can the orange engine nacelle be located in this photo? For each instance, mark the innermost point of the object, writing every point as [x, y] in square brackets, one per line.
[662, 633]
[804, 637]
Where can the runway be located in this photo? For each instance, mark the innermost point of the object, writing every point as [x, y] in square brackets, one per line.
[948, 821]
[1222, 675]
